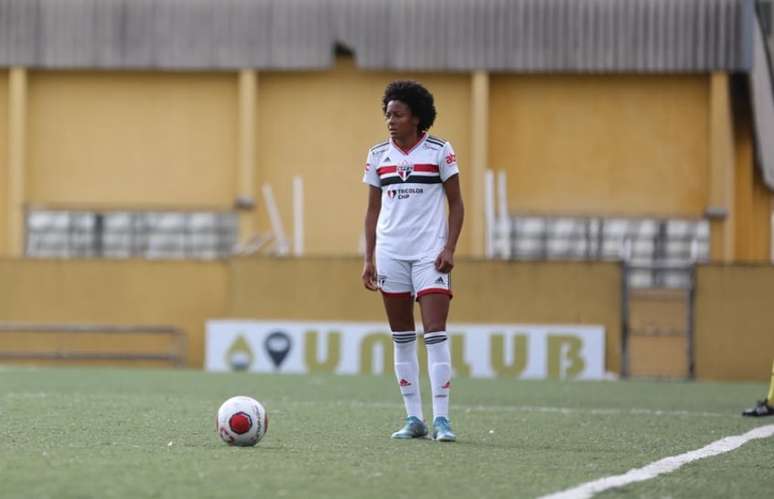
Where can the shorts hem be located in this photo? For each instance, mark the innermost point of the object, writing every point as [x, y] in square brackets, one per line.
[435, 291]
[396, 294]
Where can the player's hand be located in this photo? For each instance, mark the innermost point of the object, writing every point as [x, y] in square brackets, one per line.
[369, 276]
[444, 262]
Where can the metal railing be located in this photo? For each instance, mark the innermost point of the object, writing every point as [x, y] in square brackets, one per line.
[130, 234]
[656, 249]
[175, 356]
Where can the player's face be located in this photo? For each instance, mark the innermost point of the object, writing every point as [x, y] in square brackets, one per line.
[401, 124]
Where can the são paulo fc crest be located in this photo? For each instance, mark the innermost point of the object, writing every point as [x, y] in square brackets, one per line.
[404, 170]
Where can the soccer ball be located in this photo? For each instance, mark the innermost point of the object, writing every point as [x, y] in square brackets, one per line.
[242, 421]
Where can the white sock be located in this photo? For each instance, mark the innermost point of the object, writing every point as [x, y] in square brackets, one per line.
[407, 371]
[439, 365]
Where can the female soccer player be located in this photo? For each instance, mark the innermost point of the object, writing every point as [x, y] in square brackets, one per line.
[410, 246]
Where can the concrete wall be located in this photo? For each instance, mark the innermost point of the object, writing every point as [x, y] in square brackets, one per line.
[485, 292]
[320, 125]
[181, 294]
[632, 145]
[132, 139]
[753, 205]
[734, 337]
[186, 294]
[609, 144]
[733, 312]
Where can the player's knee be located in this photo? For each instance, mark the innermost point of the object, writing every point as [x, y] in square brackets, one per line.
[398, 326]
[435, 326]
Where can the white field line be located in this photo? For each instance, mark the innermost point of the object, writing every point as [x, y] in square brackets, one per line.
[516, 408]
[15, 369]
[666, 465]
[397, 405]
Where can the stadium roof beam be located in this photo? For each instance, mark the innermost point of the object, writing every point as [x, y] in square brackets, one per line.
[516, 36]
[432, 35]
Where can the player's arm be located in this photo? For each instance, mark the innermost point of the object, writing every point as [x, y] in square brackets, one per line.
[445, 260]
[371, 218]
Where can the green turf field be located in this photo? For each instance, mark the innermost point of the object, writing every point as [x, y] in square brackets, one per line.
[104, 433]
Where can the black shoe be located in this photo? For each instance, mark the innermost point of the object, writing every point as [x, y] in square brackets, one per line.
[762, 408]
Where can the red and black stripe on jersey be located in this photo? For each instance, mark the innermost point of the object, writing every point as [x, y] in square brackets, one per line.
[411, 179]
[388, 175]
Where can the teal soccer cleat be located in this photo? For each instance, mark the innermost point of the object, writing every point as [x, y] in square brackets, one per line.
[442, 431]
[414, 428]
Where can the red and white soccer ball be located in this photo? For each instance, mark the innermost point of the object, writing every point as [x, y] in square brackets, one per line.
[242, 421]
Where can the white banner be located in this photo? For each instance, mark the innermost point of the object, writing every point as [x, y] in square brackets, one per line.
[478, 350]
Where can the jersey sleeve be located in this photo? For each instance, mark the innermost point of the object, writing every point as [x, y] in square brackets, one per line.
[371, 176]
[447, 163]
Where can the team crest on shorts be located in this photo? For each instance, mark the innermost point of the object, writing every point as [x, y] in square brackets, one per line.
[404, 170]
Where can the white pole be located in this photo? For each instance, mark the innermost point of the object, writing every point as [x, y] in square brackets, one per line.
[489, 212]
[694, 250]
[298, 216]
[503, 220]
[626, 249]
[276, 222]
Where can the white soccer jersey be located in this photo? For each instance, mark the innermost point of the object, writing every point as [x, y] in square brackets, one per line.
[412, 221]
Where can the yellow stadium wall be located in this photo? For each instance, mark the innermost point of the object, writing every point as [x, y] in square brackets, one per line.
[118, 139]
[186, 294]
[181, 294]
[3, 160]
[733, 315]
[320, 125]
[734, 320]
[629, 145]
[485, 292]
[753, 206]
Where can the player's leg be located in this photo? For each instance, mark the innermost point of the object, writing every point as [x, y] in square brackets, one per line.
[394, 280]
[434, 295]
[400, 311]
[763, 407]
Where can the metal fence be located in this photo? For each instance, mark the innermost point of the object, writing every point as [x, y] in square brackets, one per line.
[687, 295]
[130, 234]
[658, 250]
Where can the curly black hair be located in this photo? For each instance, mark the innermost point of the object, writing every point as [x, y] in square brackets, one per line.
[416, 97]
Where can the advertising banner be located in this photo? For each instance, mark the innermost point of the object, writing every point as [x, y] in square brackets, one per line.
[478, 350]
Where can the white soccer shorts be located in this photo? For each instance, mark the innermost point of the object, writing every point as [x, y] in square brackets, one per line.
[411, 277]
